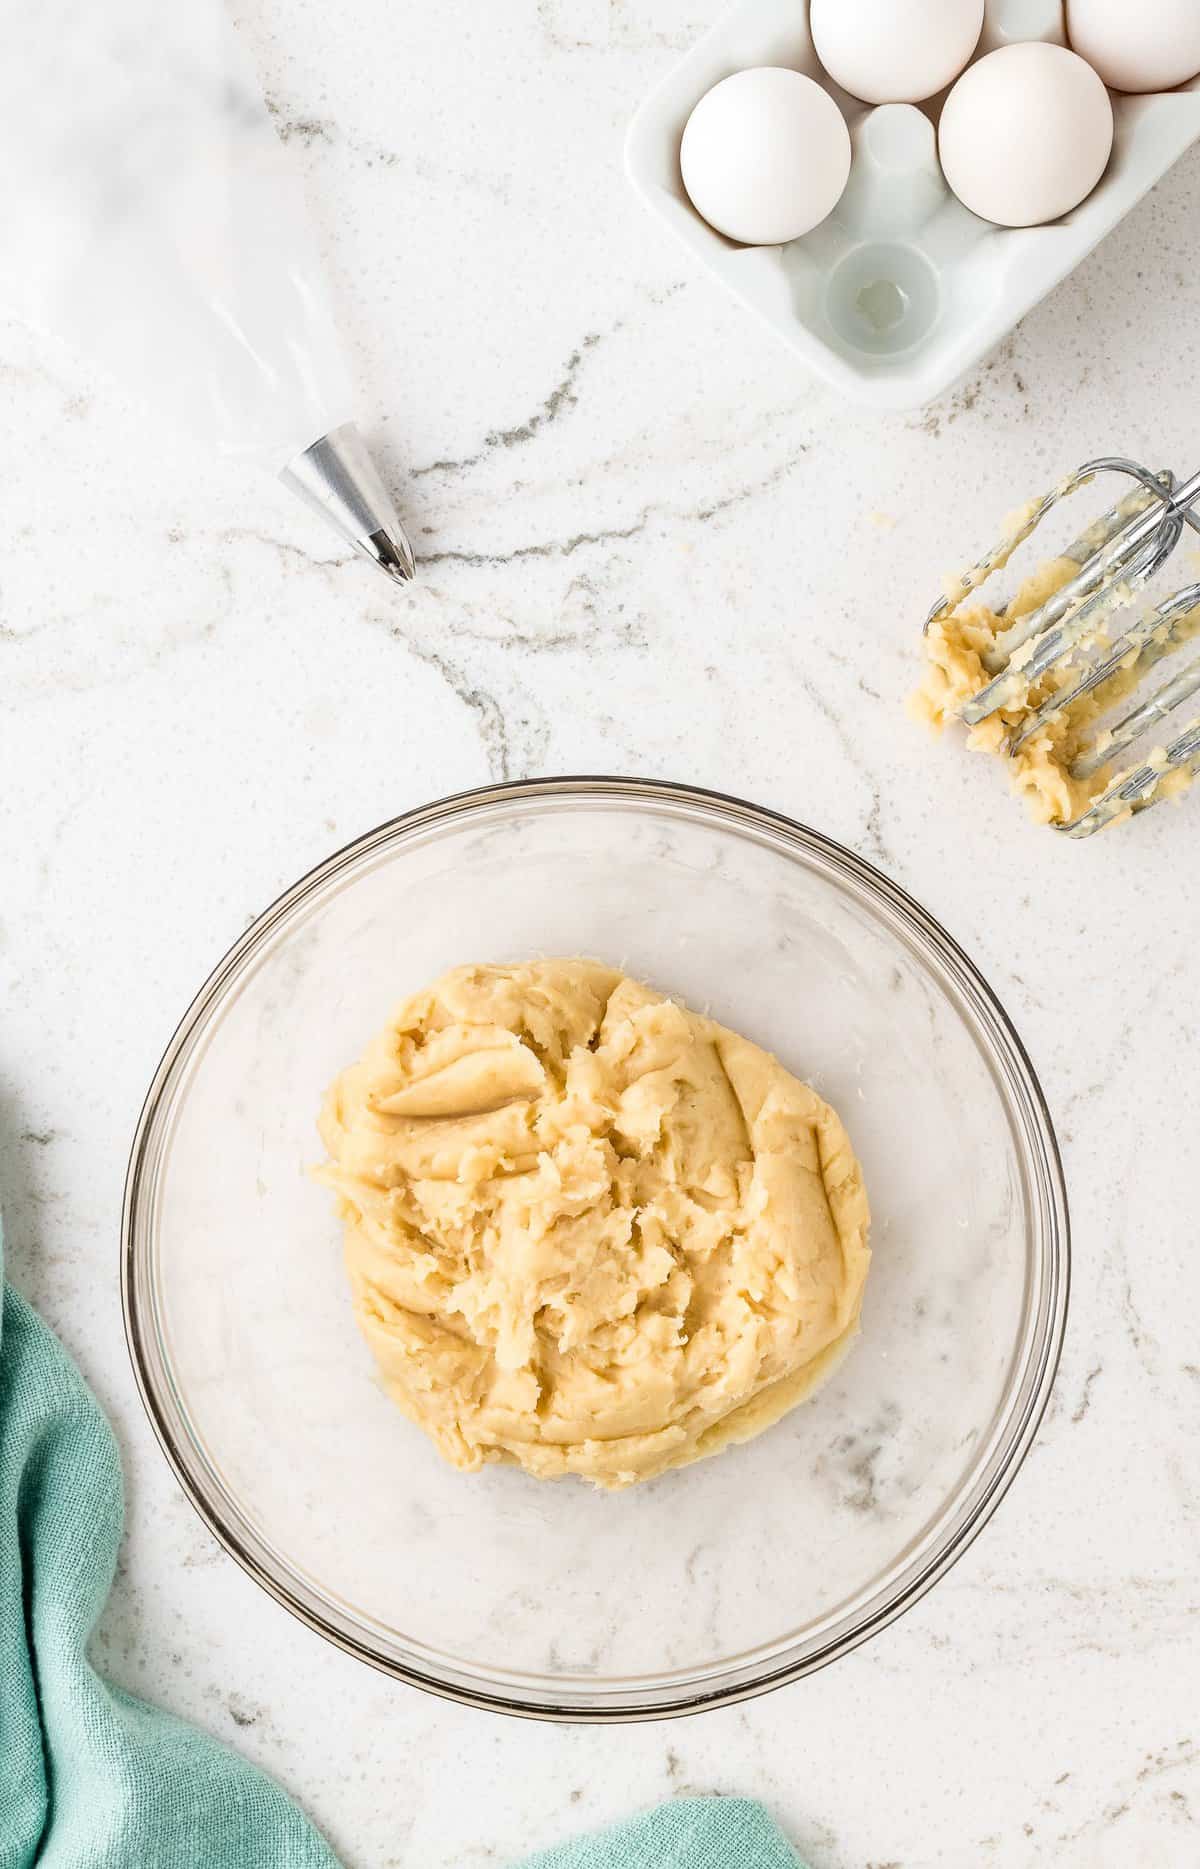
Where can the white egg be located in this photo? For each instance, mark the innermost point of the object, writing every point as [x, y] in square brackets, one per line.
[1152, 45]
[1025, 134]
[765, 155]
[895, 51]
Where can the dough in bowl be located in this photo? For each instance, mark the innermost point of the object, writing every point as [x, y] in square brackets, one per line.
[587, 1230]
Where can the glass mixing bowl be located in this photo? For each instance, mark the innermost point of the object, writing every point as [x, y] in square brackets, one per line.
[547, 1598]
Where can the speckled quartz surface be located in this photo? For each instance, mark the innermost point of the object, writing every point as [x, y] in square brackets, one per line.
[649, 543]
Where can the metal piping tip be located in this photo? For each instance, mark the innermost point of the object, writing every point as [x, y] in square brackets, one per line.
[338, 478]
[392, 552]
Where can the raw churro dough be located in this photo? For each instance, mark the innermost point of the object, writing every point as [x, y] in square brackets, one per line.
[587, 1230]
[1039, 771]
[955, 645]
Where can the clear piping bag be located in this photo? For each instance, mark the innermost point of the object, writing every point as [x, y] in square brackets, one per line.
[151, 217]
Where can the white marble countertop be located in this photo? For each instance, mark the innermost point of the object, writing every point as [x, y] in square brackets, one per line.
[649, 544]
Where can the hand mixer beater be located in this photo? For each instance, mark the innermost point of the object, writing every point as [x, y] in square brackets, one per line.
[1063, 652]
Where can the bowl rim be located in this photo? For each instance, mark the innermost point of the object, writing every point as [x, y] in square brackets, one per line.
[1044, 1162]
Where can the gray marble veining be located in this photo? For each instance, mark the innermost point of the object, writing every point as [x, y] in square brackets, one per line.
[649, 544]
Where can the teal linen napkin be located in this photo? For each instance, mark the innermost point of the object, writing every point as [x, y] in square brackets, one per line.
[91, 1778]
[691, 1833]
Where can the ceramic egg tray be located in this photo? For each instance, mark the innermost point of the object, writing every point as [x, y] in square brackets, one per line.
[902, 289]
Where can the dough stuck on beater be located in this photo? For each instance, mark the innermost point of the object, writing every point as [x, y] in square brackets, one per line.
[587, 1230]
[1039, 771]
[955, 645]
